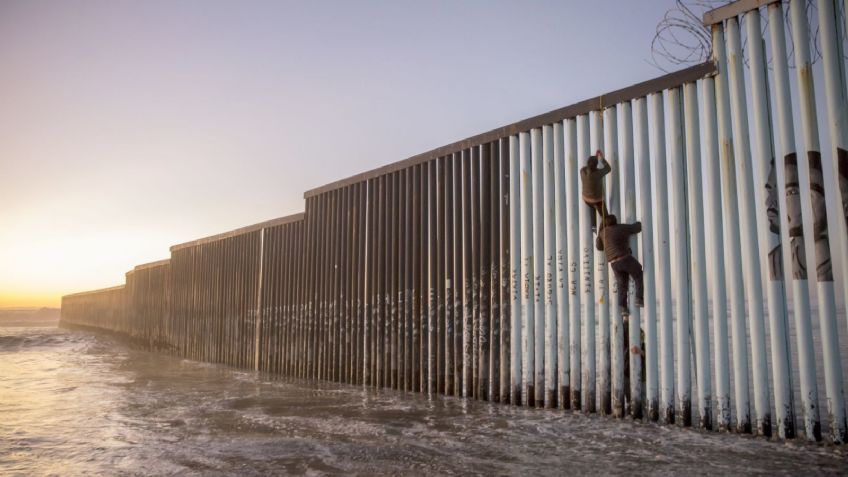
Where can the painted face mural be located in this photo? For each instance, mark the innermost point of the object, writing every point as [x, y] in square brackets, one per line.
[772, 205]
[793, 213]
[824, 271]
[842, 160]
[773, 212]
[793, 196]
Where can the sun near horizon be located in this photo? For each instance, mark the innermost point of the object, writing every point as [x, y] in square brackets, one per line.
[130, 127]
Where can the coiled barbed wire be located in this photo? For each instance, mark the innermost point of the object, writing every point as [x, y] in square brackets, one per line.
[682, 39]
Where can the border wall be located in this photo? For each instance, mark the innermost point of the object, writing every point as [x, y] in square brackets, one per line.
[471, 270]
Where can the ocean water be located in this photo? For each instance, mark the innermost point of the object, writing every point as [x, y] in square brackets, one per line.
[77, 403]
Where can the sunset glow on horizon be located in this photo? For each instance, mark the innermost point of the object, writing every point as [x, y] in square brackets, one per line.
[130, 127]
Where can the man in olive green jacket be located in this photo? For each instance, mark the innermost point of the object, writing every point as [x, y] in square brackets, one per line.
[592, 180]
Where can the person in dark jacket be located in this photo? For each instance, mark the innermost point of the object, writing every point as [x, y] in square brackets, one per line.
[592, 180]
[614, 241]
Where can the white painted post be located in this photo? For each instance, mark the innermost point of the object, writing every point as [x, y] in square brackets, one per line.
[550, 222]
[646, 212]
[697, 216]
[599, 140]
[680, 253]
[515, 259]
[750, 247]
[664, 263]
[562, 326]
[616, 338]
[732, 245]
[833, 62]
[628, 215]
[538, 265]
[716, 262]
[587, 282]
[769, 230]
[572, 166]
[796, 244]
[528, 334]
[826, 295]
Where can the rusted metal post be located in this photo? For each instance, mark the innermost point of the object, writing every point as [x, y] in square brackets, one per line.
[417, 235]
[449, 279]
[458, 281]
[368, 283]
[306, 291]
[335, 272]
[505, 271]
[390, 294]
[432, 278]
[347, 282]
[327, 278]
[311, 318]
[380, 301]
[424, 270]
[439, 255]
[476, 152]
[484, 246]
[289, 278]
[326, 237]
[494, 273]
[280, 265]
[284, 239]
[467, 278]
[350, 282]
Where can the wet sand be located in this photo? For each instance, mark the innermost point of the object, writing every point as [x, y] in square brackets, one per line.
[75, 403]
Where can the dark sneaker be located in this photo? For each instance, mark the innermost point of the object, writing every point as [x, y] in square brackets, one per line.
[640, 303]
[625, 311]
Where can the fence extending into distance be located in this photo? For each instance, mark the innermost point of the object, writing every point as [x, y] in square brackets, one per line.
[471, 271]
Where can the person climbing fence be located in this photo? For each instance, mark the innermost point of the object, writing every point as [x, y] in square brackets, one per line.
[614, 240]
[592, 180]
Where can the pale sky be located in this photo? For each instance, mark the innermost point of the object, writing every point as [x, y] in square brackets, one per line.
[128, 127]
